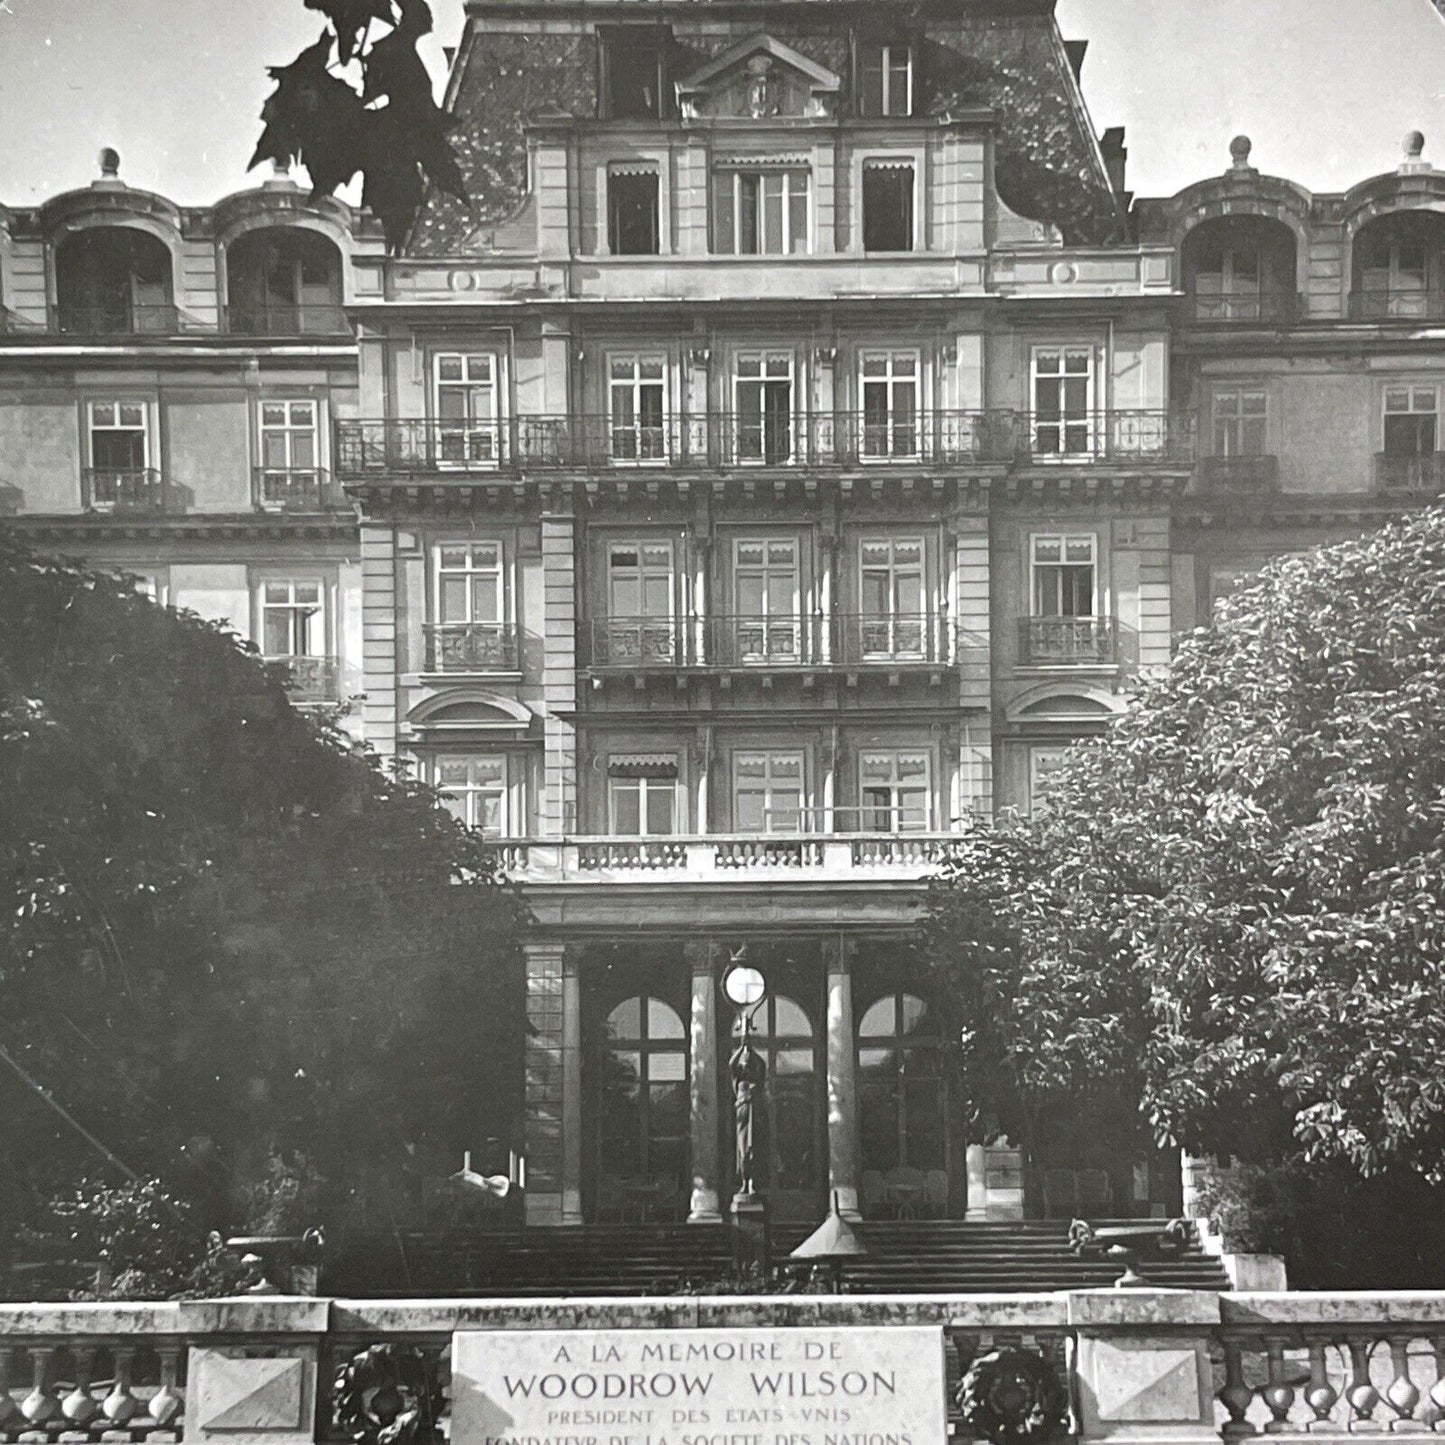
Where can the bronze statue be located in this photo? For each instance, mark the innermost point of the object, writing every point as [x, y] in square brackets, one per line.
[749, 1073]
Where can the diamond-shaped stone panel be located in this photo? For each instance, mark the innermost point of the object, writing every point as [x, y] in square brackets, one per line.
[249, 1395]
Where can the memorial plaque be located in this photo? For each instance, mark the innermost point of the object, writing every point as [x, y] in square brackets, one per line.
[847, 1386]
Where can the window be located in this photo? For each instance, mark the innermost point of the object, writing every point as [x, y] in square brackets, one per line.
[640, 593]
[889, 386]
[293, 619]
[289, 456]
[644, 1111]
[470, 631]
[887, 205]
[767, 626]
[1063, 576]
[762, 212]
[642, 795]
[1394, 265]
[636, 390]
[891, 593]
[632, 214]
[118, 436]
[1045, 760]
[763, 401]
[150, 585]
[467, 409]
[885, 79]
[473, 789]
[1063, 388]
[632, 62]
[768, 792]
[894, 792]
[901, 1089]
[1240, 414]
[1227, 287]
[1411, 420]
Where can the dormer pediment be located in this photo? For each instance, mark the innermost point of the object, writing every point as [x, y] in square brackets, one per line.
[758, 79]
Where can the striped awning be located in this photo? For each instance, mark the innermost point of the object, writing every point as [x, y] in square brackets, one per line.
[632, 168]
[761, 163]
[642, 765]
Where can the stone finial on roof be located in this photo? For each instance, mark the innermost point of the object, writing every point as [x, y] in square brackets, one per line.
[1414, 153]
[280, 177]
[1239, 149]
[109, 164]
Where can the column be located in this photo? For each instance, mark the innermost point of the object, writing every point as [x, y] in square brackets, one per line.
[977, 1167]
[704, 957]
[842, 1079]
[553, 1125]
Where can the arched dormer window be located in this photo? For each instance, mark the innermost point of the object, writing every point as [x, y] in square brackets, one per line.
[1398, 267]
[114, 281]
[1241, 268]
[284, 281]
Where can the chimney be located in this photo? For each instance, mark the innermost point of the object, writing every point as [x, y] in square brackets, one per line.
[1076, 50]
[1116, 157]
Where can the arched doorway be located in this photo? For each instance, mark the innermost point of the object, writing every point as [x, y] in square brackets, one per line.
[1397, 267]
[284, 281]
[901, 1109]
[114, 281]
[642, 1118]
[1241, 268]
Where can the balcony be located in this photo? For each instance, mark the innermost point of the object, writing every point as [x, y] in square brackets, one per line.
[471, 647]
[1409, 476]
[282, 319]
[1068, 642]
[117, 320]
[297, 490]
[1130, 438]
[1239, 476]
[594, 443]
[140, 491]
[1279, 307]
[781, 641]
[311, 681]
[1396, 303]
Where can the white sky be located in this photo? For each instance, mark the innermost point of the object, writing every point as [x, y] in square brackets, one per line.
[1326, 88]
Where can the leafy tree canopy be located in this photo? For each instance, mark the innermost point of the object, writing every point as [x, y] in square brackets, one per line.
[227, 932]
[1234, 908]
[386, 127]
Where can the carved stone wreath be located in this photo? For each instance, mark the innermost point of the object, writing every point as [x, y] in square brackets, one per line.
[387, 1395]
[1012, 1396]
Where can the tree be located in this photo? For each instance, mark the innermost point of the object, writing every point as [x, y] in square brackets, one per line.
[228, 934]
[386, 127]
[1234, 907]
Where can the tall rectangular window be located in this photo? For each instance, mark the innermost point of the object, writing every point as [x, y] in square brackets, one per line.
[293, 619]
[1064, 582]
[119, 439]
[1045, 760]
[1063, 394]
[289, 453]
[762, 212]
[640, 625]
[642, 795]
[891, 594]
[632, 211]
[888, 205]
[467, 409]
[763, 403]
[470, 631]
[1240, 414]
[632, 63]
[768, 792]
[1411, 421]
[889, 386]
[894, 792]
[473, 789]
[637, 392]
[885, 79]
[768, 625]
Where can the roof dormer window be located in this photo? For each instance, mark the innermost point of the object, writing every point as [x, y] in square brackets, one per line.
[633, 74]
[885, 78]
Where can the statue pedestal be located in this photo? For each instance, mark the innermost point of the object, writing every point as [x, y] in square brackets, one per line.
[748, 1218]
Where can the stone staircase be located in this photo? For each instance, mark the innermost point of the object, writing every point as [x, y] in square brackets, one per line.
[905, 1257]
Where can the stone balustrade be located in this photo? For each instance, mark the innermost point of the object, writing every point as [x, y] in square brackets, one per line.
[1142, 1366]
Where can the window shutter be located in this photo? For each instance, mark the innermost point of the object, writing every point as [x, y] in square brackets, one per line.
[722, 212]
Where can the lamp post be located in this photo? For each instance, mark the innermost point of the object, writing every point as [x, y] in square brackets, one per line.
[830, 1246]
[746, 989]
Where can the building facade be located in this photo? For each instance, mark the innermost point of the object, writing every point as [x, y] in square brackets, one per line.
[801, 440]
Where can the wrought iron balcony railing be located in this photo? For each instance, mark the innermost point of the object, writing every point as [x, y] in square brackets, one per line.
[312, 680]
[789, 640]
[1409, 476]
[1397, 303]
[1126, 437]
[297, 489]
[1239, 476]
[1278, 306]
[471, 647]
[137, 490]
[283, 319]
[161, 319]
[1068, 641]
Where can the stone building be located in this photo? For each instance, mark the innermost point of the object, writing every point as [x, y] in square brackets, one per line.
[801, 440]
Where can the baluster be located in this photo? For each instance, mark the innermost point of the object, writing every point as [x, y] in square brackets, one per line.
[121, 1404]
[1236, 1396]
[1320, 1395]
[1361, 1394]
[1402, 1394]
[79, 1406]
[1437, 1390]
[40, 1405]
[167, 1402]
[1278, 1394]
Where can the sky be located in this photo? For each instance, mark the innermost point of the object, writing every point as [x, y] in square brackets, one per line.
[1325, 88]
